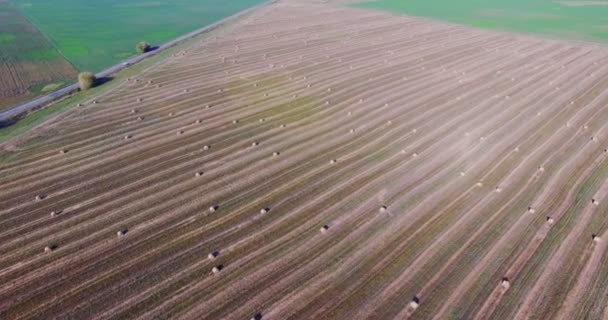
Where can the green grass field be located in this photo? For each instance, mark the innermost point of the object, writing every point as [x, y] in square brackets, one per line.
[574, 19]
[94, 35]
[28, 61]
[19, 40]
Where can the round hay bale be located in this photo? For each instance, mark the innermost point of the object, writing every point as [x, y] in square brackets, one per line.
[595, 238]
[595, 202]
[180, 132]
[415, 154]
[531, 210]
[352, 130]
[262, 120]
[48, 249]
[206, 147]
[414, 303]
[198, 121]
[498, 190]
[54, 213]
[274, 154]
[505, 283]
[255, 143]
[138, 99]
[140, 118]
[63, 151]
[79, 104]
[541, 168]
[121, 233]
[171, 114]
[213, 255]
[462, 173]
[264, 210]
[127, 137]
[38, 197]
[324, 228]
[479, 184]
[383, 208]
[235, 121]
[198, 174]
[213, 208]
[133, 111]
[550, 220]
[332, 161]
[282, 126]
[185, 90]
[217, 269]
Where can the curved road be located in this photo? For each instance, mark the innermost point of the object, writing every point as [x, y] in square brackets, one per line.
[47, 99]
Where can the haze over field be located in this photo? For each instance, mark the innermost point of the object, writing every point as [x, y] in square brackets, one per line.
[314, 159]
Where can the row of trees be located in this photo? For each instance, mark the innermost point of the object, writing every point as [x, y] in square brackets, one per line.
[87, 80]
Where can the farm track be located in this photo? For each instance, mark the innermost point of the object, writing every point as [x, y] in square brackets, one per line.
[488, 151]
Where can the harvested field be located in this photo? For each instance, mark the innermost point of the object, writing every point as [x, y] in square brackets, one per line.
[329, 163]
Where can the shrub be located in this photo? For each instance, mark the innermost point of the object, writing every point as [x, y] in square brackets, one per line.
[142, 47]
[86, 80]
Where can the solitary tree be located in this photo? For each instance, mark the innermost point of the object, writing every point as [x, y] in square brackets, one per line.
[142, 47]
[86, 80]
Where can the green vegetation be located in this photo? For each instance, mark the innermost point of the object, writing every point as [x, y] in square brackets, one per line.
[86, 80]
[25, 52]
[142, 47]
[113, 26]
[7, 37]
[573, 19]
[43, 54]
